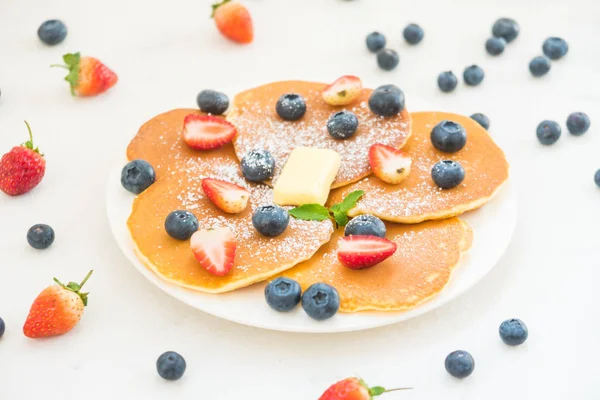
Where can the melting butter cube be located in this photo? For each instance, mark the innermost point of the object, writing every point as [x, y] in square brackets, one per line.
[306, 177]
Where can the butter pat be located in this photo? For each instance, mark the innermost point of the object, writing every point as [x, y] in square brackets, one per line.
[306, 177]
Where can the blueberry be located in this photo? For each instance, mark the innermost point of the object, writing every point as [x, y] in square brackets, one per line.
[386, 101]
[448, 136]
[170, 366]
[181, 224]
[513, 332]
[597, 178]
[258, 165]
[321, 301]
[212, 102]
[447, 81]
[52, 32]
[548, 132]
[388, 59]
[291, 107]
[413, 33]
[283, 294]
[555, 48]
[460, 364]
[342, 125]
[137, 176]
[495, 46]
[578, 123]
[539, 66]
[481, 120]
[447, 174]
[365, 224]
[375, 42]
[40, 236]
[473, 75]
[2, 327]
[270, 220]
[506, 28]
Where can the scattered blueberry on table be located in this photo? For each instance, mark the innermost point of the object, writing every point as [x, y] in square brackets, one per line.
[482, 120]
[365, 224]
[473, 75]
[495, 45]
[283, 294]
[448, 136]
[459, 364]
[2, 327]
[137, 176]
[212, 102]
[447, 174]
[513, 332]
[506, 28]
[555, 48]
[270, 220]
[321, 301]
[597, 178]
[388, 59]
[375, 42]
[578, 123]
[170, 366]
[386, 101]
[447, 81]
[548, 132]
[342, 124]
[40, 236]
[539, 66]
[291, 107]
[258, 165]
[52, 32]
[413, 34]
[181, 224]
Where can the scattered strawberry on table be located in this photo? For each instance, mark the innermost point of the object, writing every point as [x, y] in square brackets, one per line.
[354, 389]
[234, 21]
[56, 310]
[87, 76]
[22, 168]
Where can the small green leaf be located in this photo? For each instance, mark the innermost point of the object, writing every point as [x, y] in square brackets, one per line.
[310, 212]
[74, 286]
[71, 59]
[84, 298]
[341, 219]
[376, 391]
[349, 202]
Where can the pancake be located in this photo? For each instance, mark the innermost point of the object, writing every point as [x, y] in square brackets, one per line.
[417, 198]
[178, 187]
[419, 269]
[259, 126]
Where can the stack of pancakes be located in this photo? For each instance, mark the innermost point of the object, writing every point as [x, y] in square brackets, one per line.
[420, 217]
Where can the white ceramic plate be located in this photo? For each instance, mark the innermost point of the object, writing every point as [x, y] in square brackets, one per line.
[492, 230]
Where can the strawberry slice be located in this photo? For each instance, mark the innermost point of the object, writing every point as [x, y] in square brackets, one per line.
[214, 249]
[364, 251]
[207, 132]
[227, 196]
[343, 91]
[389, 164]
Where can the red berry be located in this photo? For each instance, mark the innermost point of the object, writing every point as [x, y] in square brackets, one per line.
[364, 251]
[233, 21]
[227, 196]
[343, 91]
[214, 249]
[206, 132]
[87, 76]
[389, 164]
[354, 389]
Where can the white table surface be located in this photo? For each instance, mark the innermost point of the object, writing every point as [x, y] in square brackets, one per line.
[164, 53]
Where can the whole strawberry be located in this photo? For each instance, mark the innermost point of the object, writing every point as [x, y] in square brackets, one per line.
[354, 389]
[234, 21]
[56, 310]
[22, 168]
[87, 76]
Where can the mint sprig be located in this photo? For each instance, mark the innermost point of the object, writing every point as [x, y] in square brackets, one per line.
[339, 211]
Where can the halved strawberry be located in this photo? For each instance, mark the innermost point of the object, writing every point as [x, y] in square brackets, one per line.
[214, 249]
[207, 132]
[343, 91]
[389, 164]
[364, 251]
[227, 196]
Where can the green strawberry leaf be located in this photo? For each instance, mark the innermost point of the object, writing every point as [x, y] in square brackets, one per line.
[310, 212]
[349, 202]
[74, 286]
[72, 64]
[217, 5]
[376, 391]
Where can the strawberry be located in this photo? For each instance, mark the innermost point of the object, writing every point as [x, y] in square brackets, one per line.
[354, 389]
[214, 249]
[206, 132]
[227, 196]
[343, 91]
[364, 251]
[233, 21]
[22, 168]
[87, 76]
[389, 164]
[56, 310]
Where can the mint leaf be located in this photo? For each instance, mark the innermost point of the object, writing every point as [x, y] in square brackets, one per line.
[376, 391]
[349, 202]
[341, 219]
[310, 212]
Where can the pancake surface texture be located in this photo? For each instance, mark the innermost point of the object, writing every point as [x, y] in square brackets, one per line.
[178, 187]
[259, 126]
[417, 198]
[419, 269]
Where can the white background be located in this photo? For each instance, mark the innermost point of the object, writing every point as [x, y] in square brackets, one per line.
[164, 53]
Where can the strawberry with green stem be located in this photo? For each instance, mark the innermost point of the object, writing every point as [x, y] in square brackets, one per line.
[87, 76]
[354, 389]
